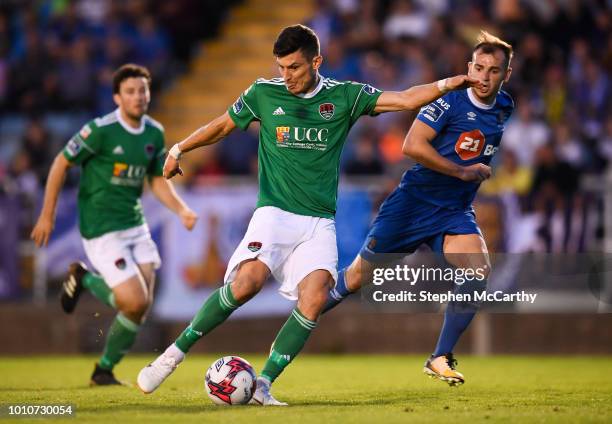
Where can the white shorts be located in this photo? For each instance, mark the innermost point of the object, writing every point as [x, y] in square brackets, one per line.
[291, 245]
[115, 254]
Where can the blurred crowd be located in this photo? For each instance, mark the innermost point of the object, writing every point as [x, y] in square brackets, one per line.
[56, 58]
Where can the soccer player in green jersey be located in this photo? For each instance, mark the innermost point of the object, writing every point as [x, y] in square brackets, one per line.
[304, 119]
[116, 153]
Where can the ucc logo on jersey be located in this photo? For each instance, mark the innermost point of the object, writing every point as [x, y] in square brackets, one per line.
[326, 110]
[128, 175]
[283, 134]
[469, 145]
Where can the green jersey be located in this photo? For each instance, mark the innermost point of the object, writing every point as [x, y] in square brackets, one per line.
[115, 159]
[301, 138]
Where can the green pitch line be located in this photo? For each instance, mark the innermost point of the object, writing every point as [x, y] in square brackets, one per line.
[322, 389]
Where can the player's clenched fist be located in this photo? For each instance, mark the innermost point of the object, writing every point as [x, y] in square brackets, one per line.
[476, 173]
[188, 218]
[171, 167]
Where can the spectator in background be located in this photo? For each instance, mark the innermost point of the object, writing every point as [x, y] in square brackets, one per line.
[94, 12]
[532, 61]
[554, 93]
[151, 47]
[28, 75]
[525, 133]
[405, 20]
[21, 172]
[567, 147]
[238, 153]
[554, 195]
[510, 177]
[591, 93]
[338, 65]
[391, 142]
[365, 159]
[36, 142]
[363, 31]
[326, 22]
[77, 77]
[68, 25]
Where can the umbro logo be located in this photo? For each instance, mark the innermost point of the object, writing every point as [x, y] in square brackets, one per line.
[279, 111]
[471, 116]
[118, 150]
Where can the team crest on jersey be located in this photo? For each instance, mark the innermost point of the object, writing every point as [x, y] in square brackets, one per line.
[282, 134]
[149, 150]
[120, 263]
[238, 105]
[254, 246]
[326, 110]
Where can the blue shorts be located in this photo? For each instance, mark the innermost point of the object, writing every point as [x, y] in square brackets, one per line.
[405, 222]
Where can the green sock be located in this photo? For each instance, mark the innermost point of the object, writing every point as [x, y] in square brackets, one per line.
[97, 286]
[120, 338]
[217, 308]
[289, 342]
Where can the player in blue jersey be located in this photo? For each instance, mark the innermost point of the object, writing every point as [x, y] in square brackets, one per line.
[453, 141]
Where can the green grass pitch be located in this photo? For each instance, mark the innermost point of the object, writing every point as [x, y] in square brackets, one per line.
[323, 389]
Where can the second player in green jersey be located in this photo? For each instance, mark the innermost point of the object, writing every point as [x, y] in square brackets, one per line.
[117, 153]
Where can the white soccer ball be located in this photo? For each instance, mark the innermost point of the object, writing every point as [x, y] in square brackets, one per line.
[230, 380]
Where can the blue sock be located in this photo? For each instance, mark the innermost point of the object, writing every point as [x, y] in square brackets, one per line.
[457, 318]
[454, 325]
[338, 293]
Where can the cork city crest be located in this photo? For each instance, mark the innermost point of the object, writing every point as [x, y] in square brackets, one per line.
[326, 110]
[254, 246]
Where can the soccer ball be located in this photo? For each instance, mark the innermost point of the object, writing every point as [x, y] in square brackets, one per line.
[230, 380]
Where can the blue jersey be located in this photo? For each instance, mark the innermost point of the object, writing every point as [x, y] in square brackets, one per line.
[468, 132]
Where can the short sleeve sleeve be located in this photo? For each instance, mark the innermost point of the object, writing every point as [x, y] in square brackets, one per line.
[84, 144]
[245, 109]
[437, 113]
[362, 100]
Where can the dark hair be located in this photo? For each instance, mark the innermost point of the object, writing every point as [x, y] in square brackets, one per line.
[294, 38]
[129, 70]
[488, 44]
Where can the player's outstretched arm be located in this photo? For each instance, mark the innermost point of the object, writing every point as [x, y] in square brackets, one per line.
[210, 133]
[46, 220]
[420, 95]
[164, 191]
[417, 146]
